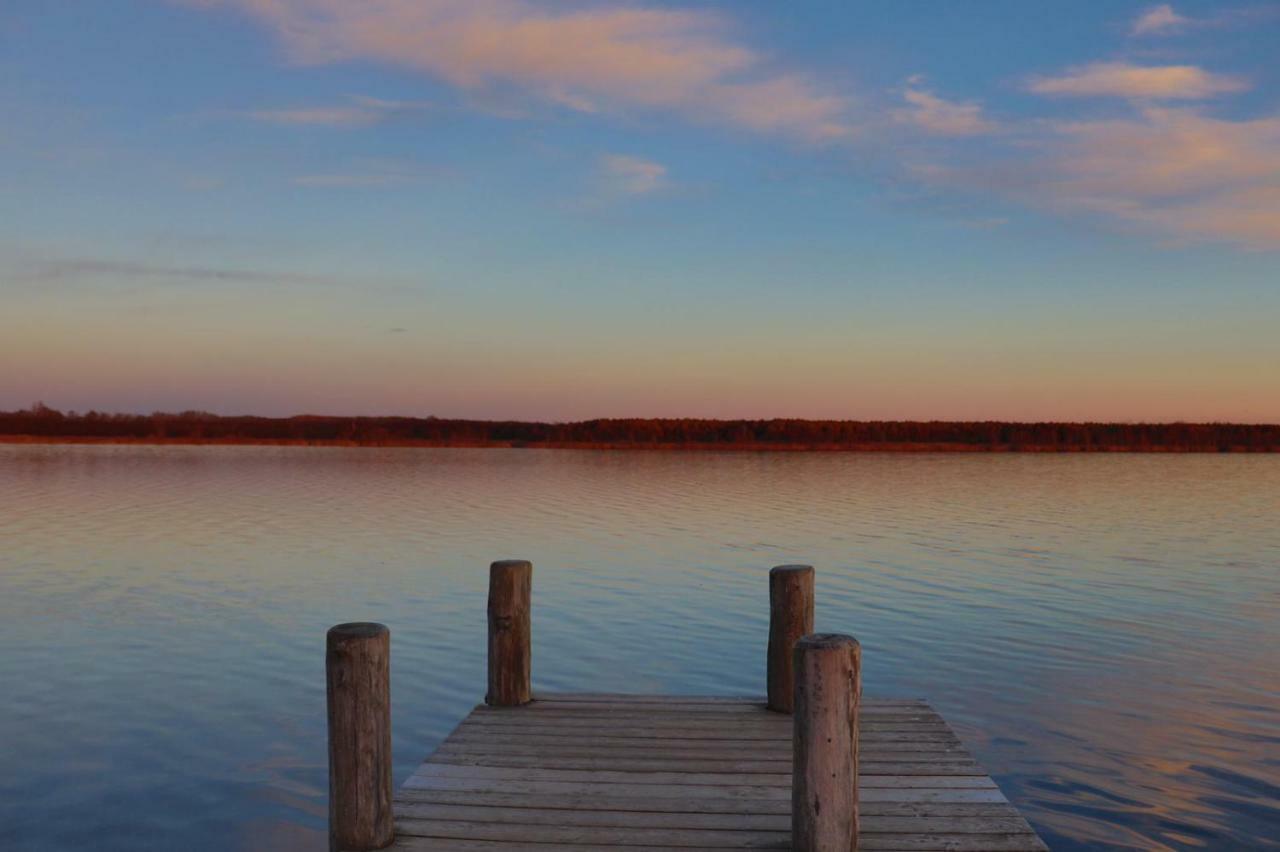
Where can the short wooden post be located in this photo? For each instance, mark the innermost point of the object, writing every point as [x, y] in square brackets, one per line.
[358, 672]
[510, 586]
[790, 617]
[824, 780]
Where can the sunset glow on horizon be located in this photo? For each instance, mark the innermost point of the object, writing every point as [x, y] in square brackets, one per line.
[557, 211]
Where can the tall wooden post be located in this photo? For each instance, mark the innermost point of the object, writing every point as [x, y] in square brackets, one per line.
[358, 673]
[824, 781]
[790, 617]
[510, 587]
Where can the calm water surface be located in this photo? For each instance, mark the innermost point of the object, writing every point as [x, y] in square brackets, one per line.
[1103, 631]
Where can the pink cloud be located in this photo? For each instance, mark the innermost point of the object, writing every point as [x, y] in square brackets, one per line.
[1174, 172]
[941, 117]
[1167, 152]
[1122, 80]
[582, 57]
[622, 174]
[1178, 170]
[1246, 215]
[1158, 20]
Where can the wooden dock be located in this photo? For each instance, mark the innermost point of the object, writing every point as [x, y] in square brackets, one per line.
[628, 772]
[588, 772]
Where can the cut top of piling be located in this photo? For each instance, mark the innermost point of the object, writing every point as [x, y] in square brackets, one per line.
[356, 630]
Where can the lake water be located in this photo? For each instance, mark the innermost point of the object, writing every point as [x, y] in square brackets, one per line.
[1103, 631]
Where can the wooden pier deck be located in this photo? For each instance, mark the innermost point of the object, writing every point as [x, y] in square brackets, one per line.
[811, 766]
[589, 772]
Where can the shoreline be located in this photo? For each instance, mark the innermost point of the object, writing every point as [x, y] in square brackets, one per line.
[630, 446]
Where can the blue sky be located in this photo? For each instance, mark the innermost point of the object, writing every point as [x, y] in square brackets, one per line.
[558, 210]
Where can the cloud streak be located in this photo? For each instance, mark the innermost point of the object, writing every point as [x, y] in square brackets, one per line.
[581, 57]
[79, 270]
[1136, 82]
[362, 111]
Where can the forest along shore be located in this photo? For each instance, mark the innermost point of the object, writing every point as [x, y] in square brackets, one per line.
[42, 424]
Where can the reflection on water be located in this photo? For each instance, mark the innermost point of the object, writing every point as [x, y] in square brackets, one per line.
[1102, 630]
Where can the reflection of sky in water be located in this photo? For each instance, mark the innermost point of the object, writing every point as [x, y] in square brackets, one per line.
[1101, 630]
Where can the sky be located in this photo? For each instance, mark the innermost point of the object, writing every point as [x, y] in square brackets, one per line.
[562, 210]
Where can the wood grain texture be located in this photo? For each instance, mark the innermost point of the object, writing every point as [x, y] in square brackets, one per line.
[358, 675]
[593, 771]
[824, 781]
[510, 633]
[790, 617]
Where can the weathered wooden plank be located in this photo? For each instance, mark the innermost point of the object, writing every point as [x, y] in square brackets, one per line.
[408, 843]
[666, 790]
[622, 746]
[642, 698]
[871, 843]
[670, 838]
[680, 838]
[627, 698]
[912, 788]
[693, 791]
[931, 775]
[772, 768]
[1016, 842]
[659, 711]
[467, 732]
[696, 751]
[616, 819]
[471, 733]
[601, 800]
[702, 720]
[651, 723]
[1006, 822]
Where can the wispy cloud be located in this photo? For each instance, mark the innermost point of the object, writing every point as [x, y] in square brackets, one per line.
[583, 57]
[939, 117]
[1178, 170]
[1137, 82]
[360, 111]
[1158, 20]
[78, 270]
[1171, 171]
[1163, 20]
[621, 174]
[1167, 152]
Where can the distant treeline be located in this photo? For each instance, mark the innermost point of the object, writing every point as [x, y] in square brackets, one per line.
[43, 423]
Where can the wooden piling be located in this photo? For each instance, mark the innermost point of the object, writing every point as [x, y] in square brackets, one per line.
[824, 781]
[790, 617]
[358, 674]
[510, 586]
